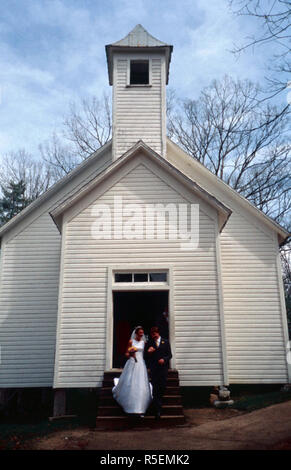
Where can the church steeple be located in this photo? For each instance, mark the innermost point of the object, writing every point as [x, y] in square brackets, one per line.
[138, 69]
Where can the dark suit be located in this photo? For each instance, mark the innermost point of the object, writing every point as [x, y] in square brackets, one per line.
[159, 372]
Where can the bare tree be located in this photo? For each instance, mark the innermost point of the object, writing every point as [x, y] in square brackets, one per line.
[240, 139]
[60, 157]
[286, 268]
[89, 126]
[171, 102]
[21, 166]
[274, 18]
[86, 128]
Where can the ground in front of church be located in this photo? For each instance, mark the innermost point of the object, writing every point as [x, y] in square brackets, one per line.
[205, 428]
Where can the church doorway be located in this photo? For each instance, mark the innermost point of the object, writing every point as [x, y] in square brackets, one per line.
[131, 309]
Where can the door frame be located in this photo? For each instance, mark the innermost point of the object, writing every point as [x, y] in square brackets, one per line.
[131, 287]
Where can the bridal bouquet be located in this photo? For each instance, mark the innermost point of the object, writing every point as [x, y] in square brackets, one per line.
[132, 350]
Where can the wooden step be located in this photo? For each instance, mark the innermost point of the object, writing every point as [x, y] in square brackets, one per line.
[167, 410]
[173, 373]
[112, 416]
[108, 400]
[116, 422]
[115, 410]
[171, 382]
[107, 391]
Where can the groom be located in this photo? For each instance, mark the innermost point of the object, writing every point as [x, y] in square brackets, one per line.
[158, 354]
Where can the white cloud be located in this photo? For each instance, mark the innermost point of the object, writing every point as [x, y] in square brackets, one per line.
[52, 52]
[206, 54]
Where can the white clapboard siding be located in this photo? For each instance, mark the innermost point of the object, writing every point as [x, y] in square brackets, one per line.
[81, 347]
[30, 258]
[28, 305]
[137, 110]
[252, 311]
[255, 342]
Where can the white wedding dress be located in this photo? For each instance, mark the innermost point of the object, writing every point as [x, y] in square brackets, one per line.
[133, 390]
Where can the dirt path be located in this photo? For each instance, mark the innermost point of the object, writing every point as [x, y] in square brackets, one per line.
[268, 428]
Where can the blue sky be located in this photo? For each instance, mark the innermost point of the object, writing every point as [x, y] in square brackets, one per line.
[52, 53]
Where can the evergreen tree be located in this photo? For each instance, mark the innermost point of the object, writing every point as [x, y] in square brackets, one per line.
[13, 200]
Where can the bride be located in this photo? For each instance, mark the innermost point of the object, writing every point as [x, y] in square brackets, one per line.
[132, 390]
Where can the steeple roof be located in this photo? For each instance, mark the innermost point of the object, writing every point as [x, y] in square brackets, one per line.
[136, 40]
[139, 37]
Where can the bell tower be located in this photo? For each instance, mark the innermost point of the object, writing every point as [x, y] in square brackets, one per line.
[138, 69]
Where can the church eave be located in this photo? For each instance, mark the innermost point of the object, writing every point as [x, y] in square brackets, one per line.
[52, 191]
[283, 234]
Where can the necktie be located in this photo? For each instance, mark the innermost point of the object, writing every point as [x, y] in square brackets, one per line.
[157, 343]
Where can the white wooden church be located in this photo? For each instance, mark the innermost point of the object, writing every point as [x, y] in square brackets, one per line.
[80, 267]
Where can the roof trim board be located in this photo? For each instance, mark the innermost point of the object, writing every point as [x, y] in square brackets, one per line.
[223, 211]
[282, 232]
[53, 189]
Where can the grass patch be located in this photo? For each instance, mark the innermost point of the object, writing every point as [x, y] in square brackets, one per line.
[12, 435]
[255, 402]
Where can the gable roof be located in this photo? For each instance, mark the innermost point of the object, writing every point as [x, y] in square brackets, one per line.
[136, 40]
[194, 164]
[53, 190]
[223, 211]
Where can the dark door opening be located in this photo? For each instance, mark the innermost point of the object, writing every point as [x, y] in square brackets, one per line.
[130, 309]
